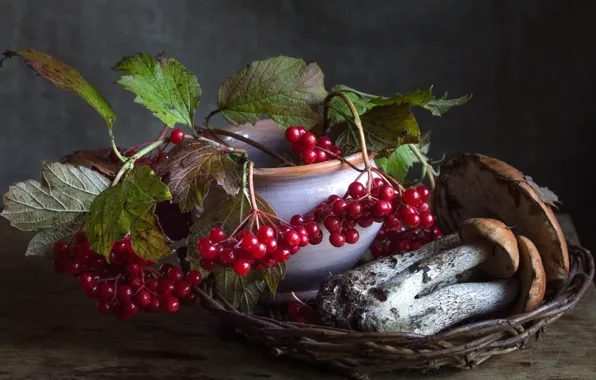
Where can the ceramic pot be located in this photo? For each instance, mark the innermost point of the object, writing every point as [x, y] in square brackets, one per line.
[298, 190]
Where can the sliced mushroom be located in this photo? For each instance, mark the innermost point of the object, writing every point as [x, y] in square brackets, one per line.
[477, 186]
[404, 303]
[531, 277]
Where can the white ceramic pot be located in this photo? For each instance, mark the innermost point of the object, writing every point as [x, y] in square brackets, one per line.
[298, 190]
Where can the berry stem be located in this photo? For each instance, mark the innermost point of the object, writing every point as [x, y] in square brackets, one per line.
[339, 158]
[248, 141]
[358, 124]
[251, 188]
[162, 135]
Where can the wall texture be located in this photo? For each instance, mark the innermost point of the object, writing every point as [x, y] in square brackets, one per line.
[530, 65]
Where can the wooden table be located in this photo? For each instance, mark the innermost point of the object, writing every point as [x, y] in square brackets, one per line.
[49, 330]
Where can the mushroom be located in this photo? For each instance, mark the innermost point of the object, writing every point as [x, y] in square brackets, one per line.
[531, 276]
[477, 186]
[404, 303]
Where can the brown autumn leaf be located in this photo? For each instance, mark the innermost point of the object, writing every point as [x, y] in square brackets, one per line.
[99, 159]
[190, 168]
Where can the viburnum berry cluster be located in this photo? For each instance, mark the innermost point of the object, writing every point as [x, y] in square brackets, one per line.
[125, 283]
[312, 149]
[262, 248]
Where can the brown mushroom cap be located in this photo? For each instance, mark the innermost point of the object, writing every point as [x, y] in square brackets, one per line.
[504, 258]
[477, 186]
[532, 278]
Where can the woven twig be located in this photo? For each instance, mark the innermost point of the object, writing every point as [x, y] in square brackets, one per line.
[357, 354]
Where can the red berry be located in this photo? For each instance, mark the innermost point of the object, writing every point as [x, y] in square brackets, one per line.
[366, 221]
[411, 197]
[337, 239]
[295, 310]
[325, 142]
[424, 192]
[176, 136]
[303, 240]
[175, 275]
[165, 287]
[312, 229]
[337, 151]
[183, 289]
[293, 134]
[86, 280]
[80, 237]
[378, 182]
[250, 243]
[321, 156]
[260, 252]
[332, 198]
[406, 210]
[241, 267]
[281, 254]
[217, 234]
[296, 220]
[97, 262]
[189, 300]
[208, 252]
[269, 263]
[392, 222]
[194, 277]
[411, 220]
[152, 284]
[133, 269]
[339, 207]
[356, 190]
[207, 264]
[130, 308]
[271, 245]
[61, 250]
[291, 238]
[125, 293]
[423, 207]
[92, 292]
[135, 283]
[352, 236]
[143, 298]
[427, 219]
[265, 233]
[106, 292]
[104, 307]
[403, 246]
[202, 241]
[332, 223]
[382, 208]
[318, 239]
[227, 256]
[301, 230]
[154, 306]
[308, 140]
[309, 217]
[170, 304]
[355, 209]
[386, 193]
[300, 320]
[308, 156]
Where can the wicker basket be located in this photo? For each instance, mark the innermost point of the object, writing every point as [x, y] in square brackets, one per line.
[358, 354]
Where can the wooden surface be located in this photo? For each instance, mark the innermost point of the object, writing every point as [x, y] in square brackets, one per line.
[49, 330]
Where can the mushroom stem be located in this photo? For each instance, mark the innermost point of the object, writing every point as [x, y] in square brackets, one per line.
[440, 309]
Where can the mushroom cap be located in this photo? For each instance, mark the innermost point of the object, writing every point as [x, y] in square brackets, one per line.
[476, 186]
[504, 257]
[532, 278]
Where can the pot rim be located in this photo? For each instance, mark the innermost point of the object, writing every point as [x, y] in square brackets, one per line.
[289, 172]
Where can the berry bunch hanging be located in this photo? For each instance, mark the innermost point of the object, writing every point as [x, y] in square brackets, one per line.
[109, 216]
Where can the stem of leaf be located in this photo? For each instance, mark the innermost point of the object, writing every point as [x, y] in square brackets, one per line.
[211, 114]
[339, 158]
[244, 186]
[358, 124]
[115, 148]
[131, 161]
[426, 167]
[251, 188]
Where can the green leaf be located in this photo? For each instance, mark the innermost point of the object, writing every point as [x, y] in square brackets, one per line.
[284, 88]
[99, 159]
[163, 85]
[385, 127]
[338, 109]
[190, 168]
[65, 77]
[242, 292]
[64, 194]
[128, 208]
[42, 243]
[274, 275]
[424, 99]
[398, 163]
[224, 211]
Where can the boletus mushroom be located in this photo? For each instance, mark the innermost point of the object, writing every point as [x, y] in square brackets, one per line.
[477, 186]
[403, 302]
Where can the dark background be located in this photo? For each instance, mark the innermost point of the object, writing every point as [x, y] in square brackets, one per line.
[531, 66]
